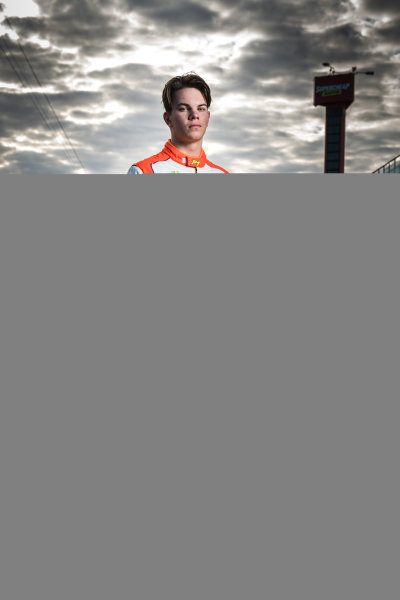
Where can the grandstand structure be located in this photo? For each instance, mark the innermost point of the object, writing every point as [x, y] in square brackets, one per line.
[392, 166]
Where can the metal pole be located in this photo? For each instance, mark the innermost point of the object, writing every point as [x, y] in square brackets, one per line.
[335, 129]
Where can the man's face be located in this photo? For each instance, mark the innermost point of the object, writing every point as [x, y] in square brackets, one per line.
[189, 117]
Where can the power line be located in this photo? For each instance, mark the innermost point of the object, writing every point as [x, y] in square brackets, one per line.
[47, 99]
[35, 98]
[43, 94]
[24, 83]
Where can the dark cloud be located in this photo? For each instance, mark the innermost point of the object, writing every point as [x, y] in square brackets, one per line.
[76, 98]
[290, 58]
[176, 14]
[49, 65]
[83, 25]
[189, 15]
[128, 72]
[271, 16]
[382, 6]
[390, 32]
[79, 7]
[27, 26]
[28, 162]
[22, 113]
[32, 113]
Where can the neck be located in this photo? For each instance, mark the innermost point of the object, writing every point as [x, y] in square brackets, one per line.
[192, 149]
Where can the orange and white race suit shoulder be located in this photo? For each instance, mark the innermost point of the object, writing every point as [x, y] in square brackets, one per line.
[172, 160]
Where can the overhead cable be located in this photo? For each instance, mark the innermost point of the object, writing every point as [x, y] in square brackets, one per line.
[45, 96]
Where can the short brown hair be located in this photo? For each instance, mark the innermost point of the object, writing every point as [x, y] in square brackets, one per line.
[189, 80]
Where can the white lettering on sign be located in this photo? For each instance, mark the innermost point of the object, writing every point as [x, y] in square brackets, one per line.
[332, 88]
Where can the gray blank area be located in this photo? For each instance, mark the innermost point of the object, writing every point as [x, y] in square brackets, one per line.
[199, 388]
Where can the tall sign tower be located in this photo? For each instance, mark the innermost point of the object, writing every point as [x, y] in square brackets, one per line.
[336, 92]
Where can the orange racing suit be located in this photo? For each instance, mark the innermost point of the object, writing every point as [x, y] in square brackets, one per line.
[172, 160]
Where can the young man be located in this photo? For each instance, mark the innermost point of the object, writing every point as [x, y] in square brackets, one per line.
[186, 100]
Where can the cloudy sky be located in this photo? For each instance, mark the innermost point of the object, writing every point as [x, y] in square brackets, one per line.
[95, 69]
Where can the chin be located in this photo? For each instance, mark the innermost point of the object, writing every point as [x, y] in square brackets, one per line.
[198, 134]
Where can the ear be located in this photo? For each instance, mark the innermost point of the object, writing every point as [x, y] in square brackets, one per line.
[167, 119]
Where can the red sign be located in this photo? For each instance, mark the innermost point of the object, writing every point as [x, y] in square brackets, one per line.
[334, 89]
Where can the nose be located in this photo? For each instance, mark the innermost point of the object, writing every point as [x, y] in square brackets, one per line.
[194, 113]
